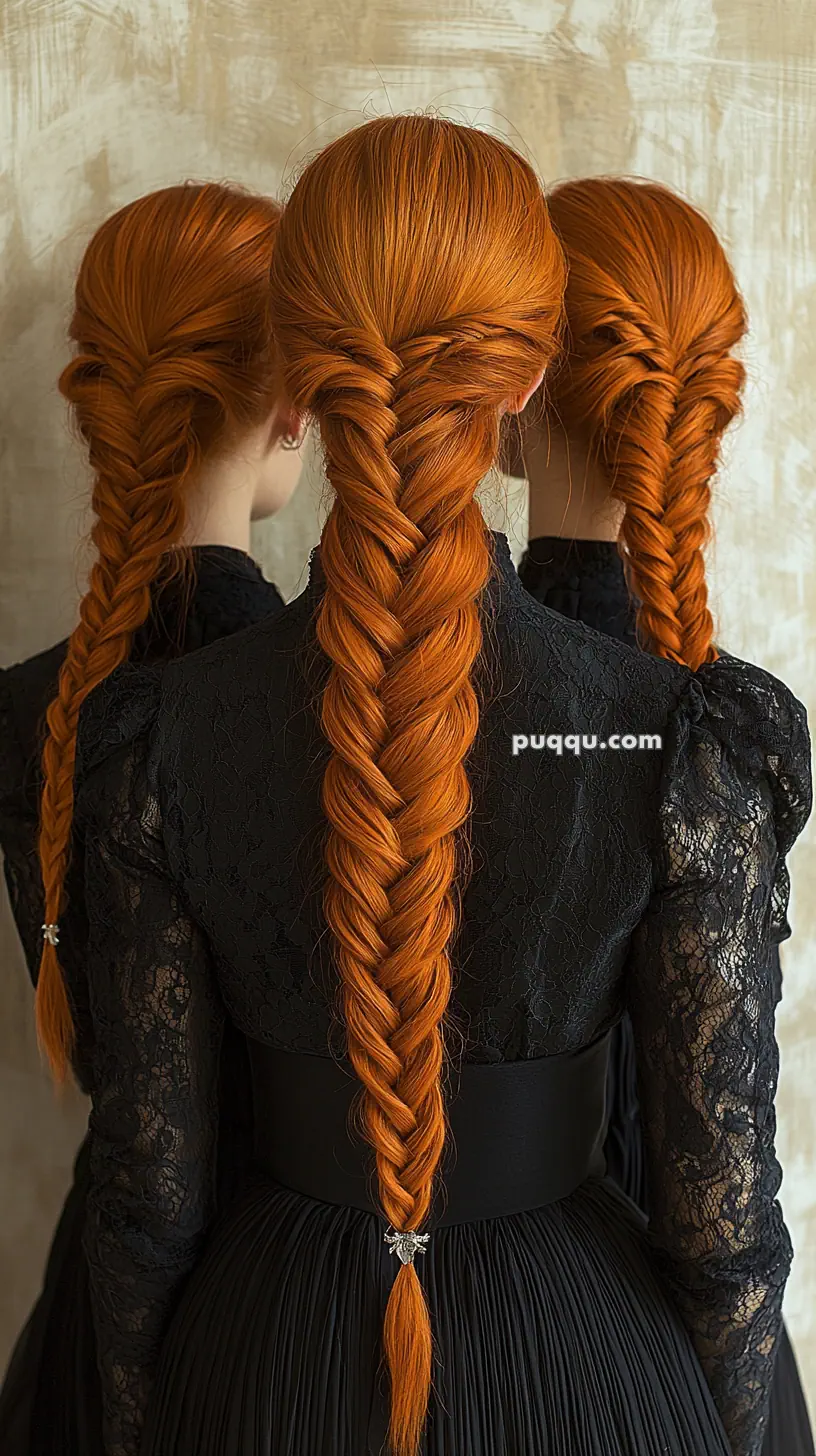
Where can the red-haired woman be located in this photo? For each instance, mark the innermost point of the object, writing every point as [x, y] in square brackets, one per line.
[652, 314]
[346, 838]
[173, 392]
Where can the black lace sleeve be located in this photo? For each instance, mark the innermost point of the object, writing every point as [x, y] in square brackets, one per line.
[702, 997]
[157, 1022]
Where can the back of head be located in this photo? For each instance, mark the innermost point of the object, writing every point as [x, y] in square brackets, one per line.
[648, 377]
[416, 288]
[171, 327]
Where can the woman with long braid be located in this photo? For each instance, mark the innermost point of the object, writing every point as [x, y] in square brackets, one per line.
[602, 470]
[172, 387]
[346, 837]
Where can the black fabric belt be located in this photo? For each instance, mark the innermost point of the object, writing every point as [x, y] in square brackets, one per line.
[521, 1134]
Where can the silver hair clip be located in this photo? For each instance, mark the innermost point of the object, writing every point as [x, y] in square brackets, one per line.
[51, 934]
[406, 1245]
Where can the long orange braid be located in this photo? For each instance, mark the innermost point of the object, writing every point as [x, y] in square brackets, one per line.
[653, 314]
[173, 351]
[416, 287]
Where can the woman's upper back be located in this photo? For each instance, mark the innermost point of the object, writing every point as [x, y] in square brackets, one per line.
[567, 848]
[227, 592]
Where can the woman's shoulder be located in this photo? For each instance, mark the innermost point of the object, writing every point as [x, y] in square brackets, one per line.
[123, 708]
[749, 723]
[737, 780]
[736, 769]
[754, 710]
[240, 665]
[182, 695]
[26, 689]
[564, 657]
[755, 716]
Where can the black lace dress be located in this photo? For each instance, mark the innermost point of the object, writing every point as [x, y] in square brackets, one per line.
[644, 879]
[50, 1402]
[585, 580]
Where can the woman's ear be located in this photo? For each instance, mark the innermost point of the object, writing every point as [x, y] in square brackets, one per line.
[288, 428]
[518, 402]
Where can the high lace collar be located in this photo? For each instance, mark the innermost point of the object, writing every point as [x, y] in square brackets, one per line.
[226, 590]
[565, 553]
[212, 560]
[582, 580]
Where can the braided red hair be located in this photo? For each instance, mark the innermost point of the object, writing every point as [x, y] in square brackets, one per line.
[173, 351]
[416, 286]
[653, 315]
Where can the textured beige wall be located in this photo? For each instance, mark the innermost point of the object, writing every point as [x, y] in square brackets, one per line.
[101, 102]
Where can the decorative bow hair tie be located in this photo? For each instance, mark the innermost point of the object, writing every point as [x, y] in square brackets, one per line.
[407, 1245]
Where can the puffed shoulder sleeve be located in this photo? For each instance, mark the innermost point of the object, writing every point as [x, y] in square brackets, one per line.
[124, 707]
[157, 1024]
[763, 729]
[702, 993]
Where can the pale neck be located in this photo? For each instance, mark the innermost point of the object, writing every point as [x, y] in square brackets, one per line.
[569, 491]
[218, 505]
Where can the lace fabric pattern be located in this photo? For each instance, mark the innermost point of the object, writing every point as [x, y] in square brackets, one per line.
[732, 1000]
[158, 1020]
[643, 880]
[702, 994]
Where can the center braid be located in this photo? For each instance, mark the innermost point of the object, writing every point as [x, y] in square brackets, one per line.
[406, 556]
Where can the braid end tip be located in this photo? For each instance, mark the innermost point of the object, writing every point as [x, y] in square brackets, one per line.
[55, 1028]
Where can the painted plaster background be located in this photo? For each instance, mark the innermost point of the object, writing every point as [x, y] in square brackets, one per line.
[101, 101]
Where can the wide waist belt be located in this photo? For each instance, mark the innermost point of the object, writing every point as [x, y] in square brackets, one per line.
[521, 1134]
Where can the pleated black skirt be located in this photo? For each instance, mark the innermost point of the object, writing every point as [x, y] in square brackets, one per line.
[50, 1404]
[553, 1338]
[789, 1430]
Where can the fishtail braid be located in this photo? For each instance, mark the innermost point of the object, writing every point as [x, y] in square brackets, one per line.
[400, 623]
[652, 314]
[172, 326]
[138, 508]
